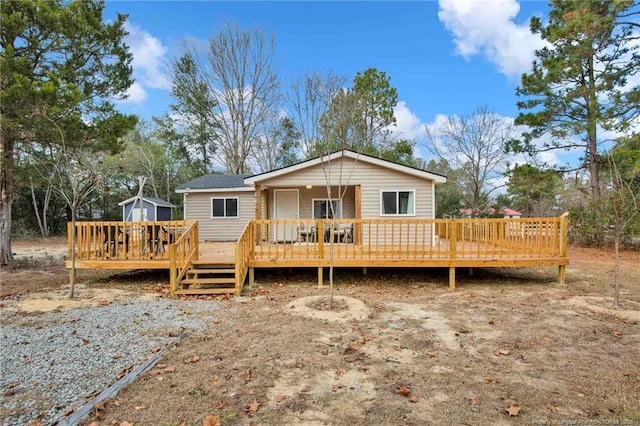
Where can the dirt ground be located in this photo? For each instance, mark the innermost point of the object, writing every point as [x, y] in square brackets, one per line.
[509, 346]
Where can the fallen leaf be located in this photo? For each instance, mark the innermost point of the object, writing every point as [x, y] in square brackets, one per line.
[86, 341]
[341, 372]
[513, 410]
[117, 402]
[103, 302]
[473, 400]
[403, 390]
[116, 356]
[125, 423]
[99, 406]
[94, 424]
[170, 369]
[216, 320]
[247, 376]
[211, 421]
[139, 407]
[499, 352]
[214, 380]
[616, 333]
[413, 399]
[281, 398]
[488, 379]
[252, 408]
[220, 405]
[552, 408]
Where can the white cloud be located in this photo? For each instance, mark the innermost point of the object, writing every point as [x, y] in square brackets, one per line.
[135, 94]
[149, 56]
[487, 27]
[408, 125]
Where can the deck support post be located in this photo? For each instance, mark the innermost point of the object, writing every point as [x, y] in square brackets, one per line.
[562, 274]
[252, 276]
[320, 279]
[364, 271]
[452, 278]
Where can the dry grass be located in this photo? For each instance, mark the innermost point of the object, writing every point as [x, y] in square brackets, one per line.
[505, 338]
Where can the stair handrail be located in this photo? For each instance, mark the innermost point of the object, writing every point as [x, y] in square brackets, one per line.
[185, 247]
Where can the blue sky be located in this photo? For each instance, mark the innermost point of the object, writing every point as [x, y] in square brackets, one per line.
[444, 57]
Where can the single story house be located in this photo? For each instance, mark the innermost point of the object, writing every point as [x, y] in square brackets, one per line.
[356, 186]
[153, 209]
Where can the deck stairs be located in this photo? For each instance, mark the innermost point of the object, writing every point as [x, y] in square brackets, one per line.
[206, 277]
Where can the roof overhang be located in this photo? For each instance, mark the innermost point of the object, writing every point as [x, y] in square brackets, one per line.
[256, 179]
[217, 190]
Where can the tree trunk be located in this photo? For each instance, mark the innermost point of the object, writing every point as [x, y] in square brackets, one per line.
[72, 277]
[592, 146]
[616, 273]
[6, 199]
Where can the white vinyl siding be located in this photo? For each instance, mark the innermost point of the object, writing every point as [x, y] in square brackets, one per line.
[198, 207]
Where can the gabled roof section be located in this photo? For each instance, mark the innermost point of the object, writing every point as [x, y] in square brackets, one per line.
[215, 183]
[155, 201]
[252, 180]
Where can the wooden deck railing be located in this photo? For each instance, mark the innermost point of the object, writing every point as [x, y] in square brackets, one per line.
[125, 241]
[244, 250]
[408, 239]
[181, 254]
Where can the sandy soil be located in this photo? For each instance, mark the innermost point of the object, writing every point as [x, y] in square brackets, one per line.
[507, 346]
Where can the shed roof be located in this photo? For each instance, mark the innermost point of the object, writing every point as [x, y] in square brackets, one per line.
[155, 201]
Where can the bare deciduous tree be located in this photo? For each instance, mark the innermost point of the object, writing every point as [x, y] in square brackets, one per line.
[622, 205]
[308, 99]
[237, 69]
[474, 145]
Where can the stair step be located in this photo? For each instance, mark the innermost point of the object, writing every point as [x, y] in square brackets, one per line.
[211, 271]
[210, 264]
[209, 281]
[205, 291]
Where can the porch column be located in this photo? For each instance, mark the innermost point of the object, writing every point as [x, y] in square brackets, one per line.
[357, 229]
[258, 214]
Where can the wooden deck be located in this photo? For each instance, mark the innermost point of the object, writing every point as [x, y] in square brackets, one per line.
[270, 243]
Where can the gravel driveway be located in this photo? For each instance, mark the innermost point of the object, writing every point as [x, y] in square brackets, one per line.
[54, 361]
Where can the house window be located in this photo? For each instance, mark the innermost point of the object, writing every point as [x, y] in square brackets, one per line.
[322, 209]
[224, 207]
[395, 203]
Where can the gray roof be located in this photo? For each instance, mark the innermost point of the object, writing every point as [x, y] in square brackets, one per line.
[214, 182]
[155, 201]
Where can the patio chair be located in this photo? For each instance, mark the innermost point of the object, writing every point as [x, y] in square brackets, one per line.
[154, 243]
[112, 237]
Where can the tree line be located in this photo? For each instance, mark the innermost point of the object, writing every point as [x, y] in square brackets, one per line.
[66, 149]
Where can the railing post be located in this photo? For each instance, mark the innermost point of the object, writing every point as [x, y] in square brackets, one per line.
[564, 228]
[453, 242]
[238, 274]
[173, 276]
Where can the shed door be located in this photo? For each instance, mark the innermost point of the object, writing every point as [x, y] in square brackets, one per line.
[286, 207]
[135, 215]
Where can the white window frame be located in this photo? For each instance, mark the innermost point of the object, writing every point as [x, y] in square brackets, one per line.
[313, 206]
[397, 191]
[237, 216]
